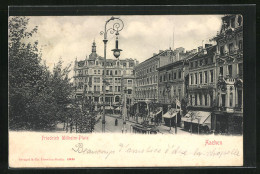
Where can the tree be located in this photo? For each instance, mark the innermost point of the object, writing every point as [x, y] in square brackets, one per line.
[37, 97]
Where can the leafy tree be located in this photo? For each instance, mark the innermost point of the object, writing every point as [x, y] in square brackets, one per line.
[38, 98]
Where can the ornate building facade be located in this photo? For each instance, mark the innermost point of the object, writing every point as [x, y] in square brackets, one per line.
[88, 78]
[229, 59]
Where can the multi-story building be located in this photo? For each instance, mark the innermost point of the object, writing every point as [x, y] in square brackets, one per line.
[171, 78]
[202, 78]
[88, 78]
[147, 75]
[229, 59]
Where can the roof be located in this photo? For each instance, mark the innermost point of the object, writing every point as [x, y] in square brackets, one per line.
[178, 62]
[210, 52]
[154, 57]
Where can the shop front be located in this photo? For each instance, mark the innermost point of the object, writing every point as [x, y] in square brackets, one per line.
[197, 121]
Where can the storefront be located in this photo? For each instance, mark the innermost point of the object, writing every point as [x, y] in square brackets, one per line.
[170, 117]
[197, 121]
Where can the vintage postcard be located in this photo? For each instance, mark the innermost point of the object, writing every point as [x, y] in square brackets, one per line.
[125, 91]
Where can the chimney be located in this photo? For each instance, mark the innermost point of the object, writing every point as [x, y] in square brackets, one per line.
[208, 45]
[200, 48]
[154, 54]
[160, 51]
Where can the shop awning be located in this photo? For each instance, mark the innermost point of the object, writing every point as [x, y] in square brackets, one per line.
[118, 109]
[171, 113]
[198, 117]
[108, 107]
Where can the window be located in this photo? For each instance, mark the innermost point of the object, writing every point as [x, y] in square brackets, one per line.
[96, 79]
[230, 70]
[191, 64]
[231, 99]
[98, 71]
[200, 77]
[200, 96]
[179, 74]
[206, 100]
[107, 72]
[223, 99]
[240, 45]
[201, 62]
[196, 100]
[221, 70]
[196, 78]
[211, 76]
[206, 61]
[231, 47]
[129, 81]
[160, 78]
[169, 76]
[150, 69]
[222, 50]
[119, 88]
[240, 69]
[205, 77]
[175, 75]
[196, 63]
[191, 79]
[95, 71]
[115, 72]
[129, 91]
[164, 77]
[117, 99]
[110, 88]
[111, 72]
[96, 63]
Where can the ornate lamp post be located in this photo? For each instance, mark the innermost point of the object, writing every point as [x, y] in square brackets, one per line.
[116, 27]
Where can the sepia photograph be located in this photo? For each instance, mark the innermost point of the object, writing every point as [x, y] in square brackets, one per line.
[115, 88]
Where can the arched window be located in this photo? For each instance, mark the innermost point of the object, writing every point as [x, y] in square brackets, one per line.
[117, 99]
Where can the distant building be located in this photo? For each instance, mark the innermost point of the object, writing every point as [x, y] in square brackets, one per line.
[229, 59]
[147, 75]
[88, 78]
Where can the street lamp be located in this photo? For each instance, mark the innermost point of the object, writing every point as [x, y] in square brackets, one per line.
[118, 25]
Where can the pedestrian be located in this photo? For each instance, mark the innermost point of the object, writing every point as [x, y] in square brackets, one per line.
[116, 122]
[122, 130]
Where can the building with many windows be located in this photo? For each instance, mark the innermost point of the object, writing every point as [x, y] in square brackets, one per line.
[172, 77]
[147, 75]
[202, 78]
[88, 78]
[229, 60]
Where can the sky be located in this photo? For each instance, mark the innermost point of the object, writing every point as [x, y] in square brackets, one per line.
[68, 37]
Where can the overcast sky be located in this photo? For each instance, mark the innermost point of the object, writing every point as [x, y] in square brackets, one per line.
[69, 37]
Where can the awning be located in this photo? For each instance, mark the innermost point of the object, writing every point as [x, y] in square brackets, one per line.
[118, 109]
[109, 107]
[199, 117]
[171, 113]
